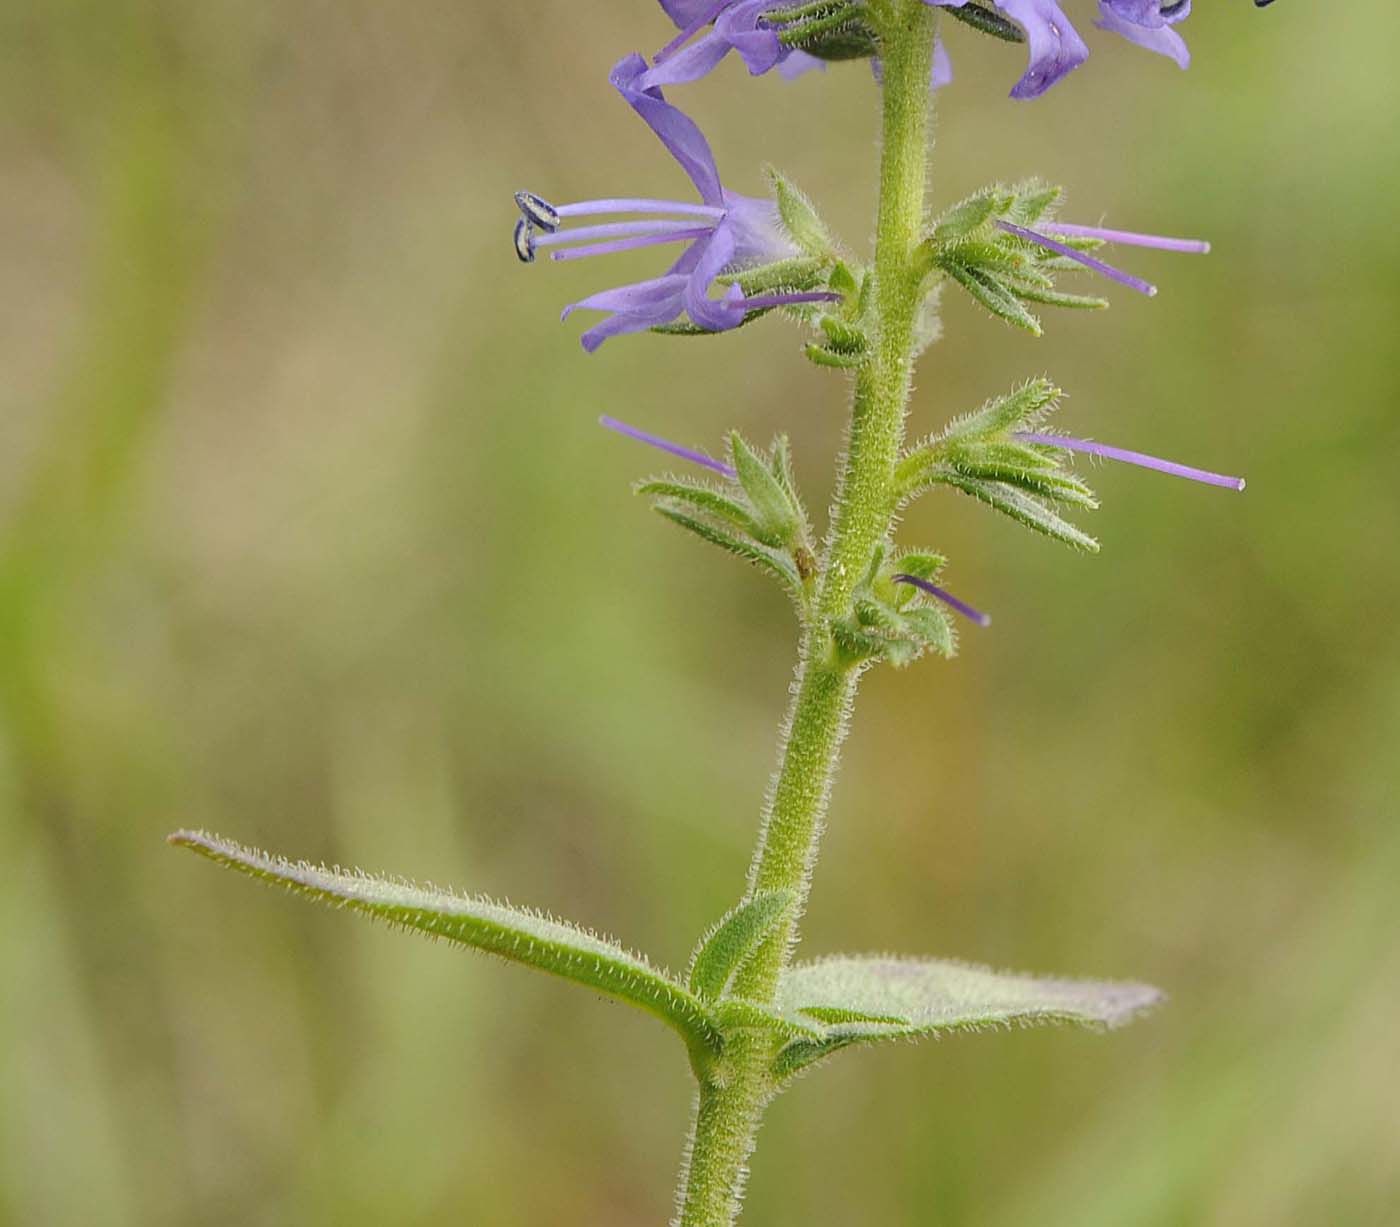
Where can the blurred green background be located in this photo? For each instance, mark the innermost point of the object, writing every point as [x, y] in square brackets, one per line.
[308, 536]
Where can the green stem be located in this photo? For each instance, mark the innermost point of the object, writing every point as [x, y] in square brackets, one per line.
[736, 1087]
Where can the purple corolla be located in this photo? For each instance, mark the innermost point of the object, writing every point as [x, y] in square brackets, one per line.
[1056, 48]
[733, 25]
[711, 29]
[726, 233]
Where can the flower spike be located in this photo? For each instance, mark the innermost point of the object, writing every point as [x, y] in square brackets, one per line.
[1141, 459]
[972, 615]
[665, 445]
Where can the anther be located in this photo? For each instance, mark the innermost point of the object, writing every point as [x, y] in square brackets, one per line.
[538, 210]
[525, 241]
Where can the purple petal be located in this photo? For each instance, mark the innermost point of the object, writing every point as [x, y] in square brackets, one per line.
[665, 445]
[1055, 46]
[1160, 38]
[676, 130]
[972, 615]
[1151, 14]
[1138, 458]
[1088, 261]
[716, 315]
[688, 63]
[759, 237]
[942, 73]
[759, 48]
[635, 308]
[685, 13]
[797, 63]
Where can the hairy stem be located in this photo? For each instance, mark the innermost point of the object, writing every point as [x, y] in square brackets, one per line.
[736, 1087]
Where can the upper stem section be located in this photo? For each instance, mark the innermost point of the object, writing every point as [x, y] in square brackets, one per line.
[817, 718]
[862, 519]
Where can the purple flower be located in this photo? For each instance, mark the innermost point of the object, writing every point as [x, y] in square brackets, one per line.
[1057, 50]
[737, 26]
[972, 615]
[1126, 237]
[1204, 476]
[748, 28]
[726, 233]
[1148, 23]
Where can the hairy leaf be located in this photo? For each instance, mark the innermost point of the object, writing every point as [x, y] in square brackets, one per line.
[867, 1000]
[733, 940]
[761, 556]
[776, 521]
[1020, 506]
[510, 933]
[702, 498]
[993, 294]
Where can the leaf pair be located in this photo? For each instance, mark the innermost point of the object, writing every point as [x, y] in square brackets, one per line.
[979, 456]
[821, 1007]
[756, 515]
[999, 270]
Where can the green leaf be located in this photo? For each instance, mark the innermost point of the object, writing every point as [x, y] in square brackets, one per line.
[840, 360]
[1020, 506]
[750, 551]
[733, 940]
[510, 933]
[993, 294]
[869, 1000]
[844, 338]
[1022, 409]
[969, 216]
[988, 21]
[1033, 201]
[800, 218]
[1054, 298]
[777, 522]
[702, 498]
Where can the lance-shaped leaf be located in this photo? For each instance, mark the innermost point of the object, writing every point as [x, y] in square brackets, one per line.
[1020, 506]
[733, 940]
[988, 21]
[761, 556]
[872, 999]
[510, 933]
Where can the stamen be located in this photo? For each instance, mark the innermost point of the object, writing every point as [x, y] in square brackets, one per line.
[706, 17]
[1138, 458]
[611, 230]
[589, 208]
[972, 615]
[629, 244]
[1129, 239]
[665, 445]
[524, 242]
[787, 300]
[538, 210]
[1107, 270]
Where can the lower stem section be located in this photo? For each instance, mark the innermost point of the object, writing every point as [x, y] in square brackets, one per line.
[723, 1133]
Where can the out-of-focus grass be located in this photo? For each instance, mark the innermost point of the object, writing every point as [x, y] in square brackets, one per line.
[307, 535]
